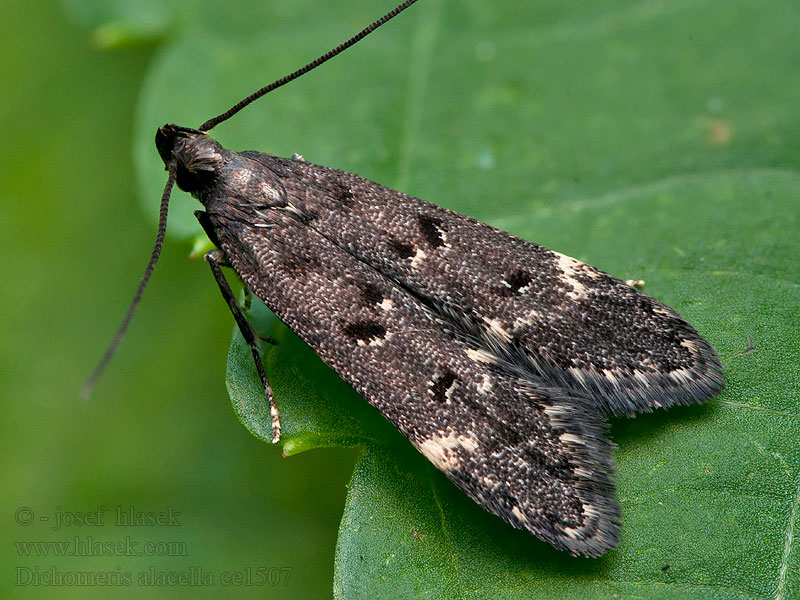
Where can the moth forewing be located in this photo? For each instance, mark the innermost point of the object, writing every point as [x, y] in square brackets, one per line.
[434, 317]
[496, 357]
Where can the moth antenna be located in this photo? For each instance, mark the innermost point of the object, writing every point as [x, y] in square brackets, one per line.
[87, 388]
[211, 123]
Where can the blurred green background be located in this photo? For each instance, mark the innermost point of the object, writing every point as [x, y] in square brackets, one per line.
[159, 430]
[655, 140]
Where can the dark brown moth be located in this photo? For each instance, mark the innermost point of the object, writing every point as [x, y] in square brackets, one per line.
[496, 357]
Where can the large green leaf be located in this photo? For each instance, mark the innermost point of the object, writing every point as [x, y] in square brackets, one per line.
[654, 140]
[116, 23]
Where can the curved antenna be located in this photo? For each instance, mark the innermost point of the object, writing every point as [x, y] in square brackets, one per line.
[87, 388]
[211, 123]
[172, 167]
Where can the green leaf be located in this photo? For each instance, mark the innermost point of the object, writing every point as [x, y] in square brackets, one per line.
[656, 141]
[120, 23]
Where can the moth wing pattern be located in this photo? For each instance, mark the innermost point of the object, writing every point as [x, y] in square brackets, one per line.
[531, 453]
[496, 357]
[548, 314]
[414, 306]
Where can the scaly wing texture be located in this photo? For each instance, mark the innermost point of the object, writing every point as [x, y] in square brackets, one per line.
[548, 314]
[495, 356]
[530, 452]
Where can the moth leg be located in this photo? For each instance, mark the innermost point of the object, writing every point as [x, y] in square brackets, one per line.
[222, 261]
[215, 259]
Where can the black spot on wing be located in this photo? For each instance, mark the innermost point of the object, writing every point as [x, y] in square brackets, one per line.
[514, 282]
[364, 331]
[346, 197]
[371, 294]
[441, 384]
[334, 188]
[431, 229]
[402, 249]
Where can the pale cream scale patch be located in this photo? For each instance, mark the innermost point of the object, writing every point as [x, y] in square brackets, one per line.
[480, 355]
[442, 450]
[418, 258]
[660, 310]
[496, 327]
[527, 319]
[489, 483]
[613, 378]
[556, 410]
[519, 514]
[569, 269]
[682, 376]
[578, 374]
[571, 438]
[486, 385]
[690, 345]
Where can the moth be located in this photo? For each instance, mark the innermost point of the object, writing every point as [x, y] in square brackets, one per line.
[496, 357]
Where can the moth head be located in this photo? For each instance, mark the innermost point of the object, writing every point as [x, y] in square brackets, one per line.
[198, 156]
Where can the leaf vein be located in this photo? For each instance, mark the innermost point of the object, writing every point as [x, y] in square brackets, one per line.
[783, 573]
[761, 409]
